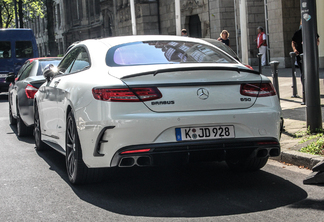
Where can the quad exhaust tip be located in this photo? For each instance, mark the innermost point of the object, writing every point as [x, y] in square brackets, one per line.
[268, 152]
[131, 161]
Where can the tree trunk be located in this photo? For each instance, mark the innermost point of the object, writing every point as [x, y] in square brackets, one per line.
[1, 8]
[21, 14]
[50, 29]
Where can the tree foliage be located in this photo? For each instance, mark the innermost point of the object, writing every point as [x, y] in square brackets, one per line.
[26, 10]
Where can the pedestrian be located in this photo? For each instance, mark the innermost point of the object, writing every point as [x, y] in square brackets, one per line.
[224, 37]
[262, 45]
[297, 46]
[184, 33]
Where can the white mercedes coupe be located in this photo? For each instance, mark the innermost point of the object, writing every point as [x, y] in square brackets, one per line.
[155, 100]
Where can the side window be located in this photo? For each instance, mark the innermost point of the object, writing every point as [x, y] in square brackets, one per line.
[26, 72]
[66, 64]
[82, 61]
[5, 50]
[75, 61]
[24, 49]
[23, 68]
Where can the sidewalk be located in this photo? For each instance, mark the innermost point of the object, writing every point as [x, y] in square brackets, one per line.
[295, 118]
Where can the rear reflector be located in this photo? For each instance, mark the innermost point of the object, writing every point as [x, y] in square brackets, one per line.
[258, 89]
[136, 151]
[268, 143]
[30, 91]
[126, 94]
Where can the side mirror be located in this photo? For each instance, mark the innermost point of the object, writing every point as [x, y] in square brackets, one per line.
[11, 77]
[49, 72]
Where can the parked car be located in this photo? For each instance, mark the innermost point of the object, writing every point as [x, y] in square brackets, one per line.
[16, 46]
[154, 100]
[22, 90]
[226, 49]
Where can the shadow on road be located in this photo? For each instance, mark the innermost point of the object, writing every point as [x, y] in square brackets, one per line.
[310, 204]
[298, 113]
[3, 97]
[198, 190]
[27, 139]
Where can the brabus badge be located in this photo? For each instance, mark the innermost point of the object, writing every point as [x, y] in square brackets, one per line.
[202, 93]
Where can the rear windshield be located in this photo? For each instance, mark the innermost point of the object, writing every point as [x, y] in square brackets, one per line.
[164, 52]
[44, 63]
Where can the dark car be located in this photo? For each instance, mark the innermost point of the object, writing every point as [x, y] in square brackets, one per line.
[22, 90]
[225, 48]
[16, 46]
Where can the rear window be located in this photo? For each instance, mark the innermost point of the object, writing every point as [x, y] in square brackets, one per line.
[24, 49]
[164, 52]
[5, 50]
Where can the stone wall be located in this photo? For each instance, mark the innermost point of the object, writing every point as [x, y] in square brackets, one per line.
[256, 18]
[147, 19]
[167, 17]
[291, 21]
[284, 18]
[227, 21]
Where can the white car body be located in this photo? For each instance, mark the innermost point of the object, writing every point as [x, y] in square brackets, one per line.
[106, 128]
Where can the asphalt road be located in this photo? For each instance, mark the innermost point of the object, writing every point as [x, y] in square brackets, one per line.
[35, 187]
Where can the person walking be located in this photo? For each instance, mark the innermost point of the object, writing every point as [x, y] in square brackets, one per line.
[224, 37]
[297, 46]
[262, 45]
[184, 33]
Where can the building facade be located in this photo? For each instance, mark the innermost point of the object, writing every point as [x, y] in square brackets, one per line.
[76, 20]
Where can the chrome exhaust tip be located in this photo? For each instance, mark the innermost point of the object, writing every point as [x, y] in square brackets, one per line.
[127, 162]
[262, 153]
[143, 161]
[274, 152]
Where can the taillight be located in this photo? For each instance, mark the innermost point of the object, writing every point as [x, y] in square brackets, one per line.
[258, 89]
[248, 66]
[30, 91]
[126, 94]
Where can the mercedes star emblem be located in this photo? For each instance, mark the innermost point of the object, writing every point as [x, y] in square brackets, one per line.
[203, 93]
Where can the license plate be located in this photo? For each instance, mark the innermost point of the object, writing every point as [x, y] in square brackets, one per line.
[3, 75]
[200, 133]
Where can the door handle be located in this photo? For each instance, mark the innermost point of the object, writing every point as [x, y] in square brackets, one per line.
[56, 82]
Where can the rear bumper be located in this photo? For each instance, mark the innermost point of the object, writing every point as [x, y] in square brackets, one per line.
[193, 151]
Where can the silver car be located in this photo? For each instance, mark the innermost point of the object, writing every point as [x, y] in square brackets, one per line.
[22, 90]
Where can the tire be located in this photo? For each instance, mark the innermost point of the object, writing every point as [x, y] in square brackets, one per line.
[248, 164]
[22, 129]
[77, 171]
[12, 120]
[39, 144]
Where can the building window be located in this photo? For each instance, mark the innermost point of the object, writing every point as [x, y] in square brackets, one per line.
[55, 20]
[97, 7]
[58, 15]
[91, 8]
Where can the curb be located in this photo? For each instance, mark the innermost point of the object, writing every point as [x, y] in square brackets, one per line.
[298, 158]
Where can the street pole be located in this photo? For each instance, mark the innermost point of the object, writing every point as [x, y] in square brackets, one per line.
[16, 16]
[133, 17]
[177, 16]
[311, 65]
[294, 81]
[244, 35]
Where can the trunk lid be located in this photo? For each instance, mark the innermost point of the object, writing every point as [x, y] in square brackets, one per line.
[192, 88]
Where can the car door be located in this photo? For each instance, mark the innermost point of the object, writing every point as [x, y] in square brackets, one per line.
[69, 68]
[47, 100]
[19, 84]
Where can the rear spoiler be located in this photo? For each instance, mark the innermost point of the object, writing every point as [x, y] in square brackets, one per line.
[154, 73]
